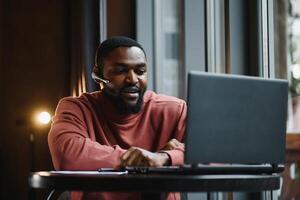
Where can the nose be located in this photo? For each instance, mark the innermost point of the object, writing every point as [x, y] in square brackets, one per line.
[131, 77]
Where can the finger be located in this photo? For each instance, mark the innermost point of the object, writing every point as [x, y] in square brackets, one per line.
[139, 161]
[150, 159]
[132, 159]
[136, 158]
[145, 163]
[127, 154]
[176, 143]
[179, 144]
[141, 158]
[171, 145]
[168, 147]
[125, 161]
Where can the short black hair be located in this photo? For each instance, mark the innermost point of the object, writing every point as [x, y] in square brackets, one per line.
[109, 45]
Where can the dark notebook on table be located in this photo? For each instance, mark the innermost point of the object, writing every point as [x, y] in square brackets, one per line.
[236, 121]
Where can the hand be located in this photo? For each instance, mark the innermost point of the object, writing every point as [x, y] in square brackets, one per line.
[173, 144]
[140, 157]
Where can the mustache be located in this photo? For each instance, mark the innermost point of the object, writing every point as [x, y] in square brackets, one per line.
[130, 89]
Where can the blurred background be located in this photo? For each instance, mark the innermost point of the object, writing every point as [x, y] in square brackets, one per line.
[47, 52]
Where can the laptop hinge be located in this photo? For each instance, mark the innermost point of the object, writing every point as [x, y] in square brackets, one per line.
[194, 166]
[277, 168]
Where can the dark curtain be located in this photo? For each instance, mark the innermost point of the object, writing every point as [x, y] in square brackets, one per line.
[84, 39]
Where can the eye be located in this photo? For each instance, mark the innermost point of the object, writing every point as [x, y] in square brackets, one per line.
[140, 71]
[120, 70]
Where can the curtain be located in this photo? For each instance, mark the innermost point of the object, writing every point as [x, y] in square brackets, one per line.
[84, 39]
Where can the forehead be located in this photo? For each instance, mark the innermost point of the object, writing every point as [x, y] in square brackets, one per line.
[126, 54]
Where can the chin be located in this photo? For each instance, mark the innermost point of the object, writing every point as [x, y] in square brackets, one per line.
[126, 106]
[131, 103]
[133, 107]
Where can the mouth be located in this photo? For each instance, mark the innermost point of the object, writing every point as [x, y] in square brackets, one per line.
[131, 93]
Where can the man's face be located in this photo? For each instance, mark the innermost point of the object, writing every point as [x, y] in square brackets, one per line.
[126, 70]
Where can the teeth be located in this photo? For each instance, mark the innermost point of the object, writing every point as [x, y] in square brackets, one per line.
[131, 91]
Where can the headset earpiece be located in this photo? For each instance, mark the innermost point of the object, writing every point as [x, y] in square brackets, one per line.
[96, 71]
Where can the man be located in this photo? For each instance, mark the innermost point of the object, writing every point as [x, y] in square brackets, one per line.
[120, 125]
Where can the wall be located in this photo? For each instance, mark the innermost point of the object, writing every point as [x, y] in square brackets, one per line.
[34, 68]
[1, 89]
[35, 49]
[121, 18]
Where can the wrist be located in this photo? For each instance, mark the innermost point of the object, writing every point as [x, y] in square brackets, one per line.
[165, 158]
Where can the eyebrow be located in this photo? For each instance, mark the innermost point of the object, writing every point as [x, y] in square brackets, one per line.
[141, 64]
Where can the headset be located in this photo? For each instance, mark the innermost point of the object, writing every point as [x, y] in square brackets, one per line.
[96, 78]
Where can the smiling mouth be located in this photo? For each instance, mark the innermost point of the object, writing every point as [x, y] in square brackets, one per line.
[131, 95]
[131, 92]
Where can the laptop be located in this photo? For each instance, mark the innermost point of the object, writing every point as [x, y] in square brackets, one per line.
[236, 125]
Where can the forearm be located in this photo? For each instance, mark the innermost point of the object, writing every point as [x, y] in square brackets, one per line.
[78, 153]
[165, 158]
[175, 150]
[176, 156]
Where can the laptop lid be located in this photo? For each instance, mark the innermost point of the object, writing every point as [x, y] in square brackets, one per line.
[235, 119]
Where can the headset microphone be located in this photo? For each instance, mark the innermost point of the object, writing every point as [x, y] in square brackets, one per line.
[98, 79]
[94, 76]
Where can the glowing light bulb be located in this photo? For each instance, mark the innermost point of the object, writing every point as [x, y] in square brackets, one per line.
[44, 117]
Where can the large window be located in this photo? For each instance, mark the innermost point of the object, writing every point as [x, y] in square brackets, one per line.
[219, 36]
[293, 52]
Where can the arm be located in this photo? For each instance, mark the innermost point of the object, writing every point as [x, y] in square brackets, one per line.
[175, 148]
[171, 154]
[136, 156]
[140, 157]
[70, 144]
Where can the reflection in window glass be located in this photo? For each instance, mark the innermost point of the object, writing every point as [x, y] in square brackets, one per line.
[167, 62]
[294, 62]
[294, 45]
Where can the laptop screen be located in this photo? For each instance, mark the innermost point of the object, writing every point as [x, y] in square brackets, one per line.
[235, 119]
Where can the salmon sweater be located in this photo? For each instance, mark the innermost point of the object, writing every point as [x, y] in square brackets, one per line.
[87, 133]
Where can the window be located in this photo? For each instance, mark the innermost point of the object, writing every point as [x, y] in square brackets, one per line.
[293, 55]
[166, 46]
[219, 36]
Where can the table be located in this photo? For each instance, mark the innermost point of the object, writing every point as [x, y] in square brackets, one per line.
[93, 181]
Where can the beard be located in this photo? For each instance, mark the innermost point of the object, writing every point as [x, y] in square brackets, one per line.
[121, 105]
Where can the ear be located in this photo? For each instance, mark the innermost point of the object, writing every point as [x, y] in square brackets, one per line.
[96, 70]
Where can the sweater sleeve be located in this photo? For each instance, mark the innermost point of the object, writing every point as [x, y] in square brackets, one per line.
[176, 155]
[70, 145]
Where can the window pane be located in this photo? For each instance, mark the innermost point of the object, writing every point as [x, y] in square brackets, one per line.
[288, 21]
[167, 62]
